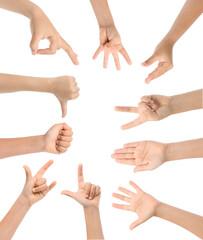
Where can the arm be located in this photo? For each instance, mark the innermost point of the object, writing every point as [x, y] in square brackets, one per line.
[88, 195]
[158, 107]
[187, 220]
[184, 150]
[64, 88]
[56, 140]
[34, 191]
[41, 28]
[164, 50]
[146, 207]
[110, 41]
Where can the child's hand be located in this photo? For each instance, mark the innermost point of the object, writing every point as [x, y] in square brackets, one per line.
[88, 195]
[151, 108]
[58, 138]
[146, 155]
[42, 28]
[35, 188]
[140, 202]
[110, 43]
[65, 88]
[162, 54]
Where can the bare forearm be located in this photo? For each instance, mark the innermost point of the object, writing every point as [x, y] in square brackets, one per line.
[184, 150]
[24, 7]
[187, 220]
[14, 217]
[93, 223]
[19, 146]
[102, 12]
[14, 83]
[187, 101]
[191, 10]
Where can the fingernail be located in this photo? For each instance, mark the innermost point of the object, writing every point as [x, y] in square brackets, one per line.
[86, 196]
[33, 190]
[90, 197]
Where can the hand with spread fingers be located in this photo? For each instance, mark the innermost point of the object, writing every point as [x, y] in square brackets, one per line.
[110, 43]
[140, 202]
[36, 187]
[145, 155]
[58, 138]
[151, 108]
[87, 194]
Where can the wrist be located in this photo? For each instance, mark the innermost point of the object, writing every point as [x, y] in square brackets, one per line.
[31, 10]
[91, 208]
[39, 143]
[159, 209]
[24, 201]
[170, 40]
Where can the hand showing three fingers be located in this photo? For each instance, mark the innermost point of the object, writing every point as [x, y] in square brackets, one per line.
[146, 155]
[110, 43]
[42, 28]
[151, 108]
[162, 54]
[87, 194]
[140, 202]
[35, 187]
[58, 138]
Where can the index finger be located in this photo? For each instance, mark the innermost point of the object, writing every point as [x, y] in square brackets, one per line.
[42, 170]
[80, 174]
[67, 48]
[126, 109]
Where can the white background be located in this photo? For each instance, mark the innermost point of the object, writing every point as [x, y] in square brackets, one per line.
[96, 126]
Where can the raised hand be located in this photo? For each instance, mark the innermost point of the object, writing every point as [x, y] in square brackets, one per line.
[65, 88]
[140, 202]
[42, 28]
[146, 155]
[151, 108]
[162, 54]
[110, 43]
[35, 188]
[58, 138]
[88, 195]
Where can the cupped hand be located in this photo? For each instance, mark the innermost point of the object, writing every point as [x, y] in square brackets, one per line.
[58, 138]
[151, 108]
[42, 28]
[65, 88]
[140, 202]
[146, 155]
[110, 43]
[36, 188]
[88, 195]
[164, 55]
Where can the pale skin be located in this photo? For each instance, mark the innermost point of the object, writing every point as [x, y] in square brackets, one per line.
[163, 53]
[146, 207]
[149, 155]
[64, 88]
[88, 195]
[158, 107]
[56, 140]
[35, 189]
[110, 41]
[41, 28]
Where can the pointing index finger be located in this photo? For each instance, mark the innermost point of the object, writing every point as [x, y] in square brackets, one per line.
[80, 174]
[43, 169]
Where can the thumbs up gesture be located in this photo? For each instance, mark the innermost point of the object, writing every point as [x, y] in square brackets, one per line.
[36, 187]
[87, 194]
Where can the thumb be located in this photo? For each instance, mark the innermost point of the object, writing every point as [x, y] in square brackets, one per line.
[28, 173]
[149, 61]
[68, 193]
[34, 44]
[63, 108]
[135, 224]
[140, 168]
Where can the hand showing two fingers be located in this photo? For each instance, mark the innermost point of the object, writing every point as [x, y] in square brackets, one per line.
[110, 43]
[87, 194]
[151, 108]
[42, 28]
[140, 202]
[36, 187]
